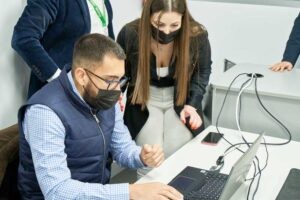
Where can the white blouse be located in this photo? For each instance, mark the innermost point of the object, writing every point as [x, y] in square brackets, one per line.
[162, 71]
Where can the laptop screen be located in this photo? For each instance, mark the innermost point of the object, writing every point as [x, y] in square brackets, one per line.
[240, 170]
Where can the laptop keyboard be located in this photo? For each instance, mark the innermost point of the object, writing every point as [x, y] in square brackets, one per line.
[211, 190]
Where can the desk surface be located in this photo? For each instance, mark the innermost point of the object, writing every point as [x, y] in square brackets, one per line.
[281, 160]
[279, 84]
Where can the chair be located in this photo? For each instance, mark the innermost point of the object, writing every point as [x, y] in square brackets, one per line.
[9, 160]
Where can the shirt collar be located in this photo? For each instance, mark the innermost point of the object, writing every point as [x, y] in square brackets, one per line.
[74, 88]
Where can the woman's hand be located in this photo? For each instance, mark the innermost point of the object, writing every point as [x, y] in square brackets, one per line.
[195, 120]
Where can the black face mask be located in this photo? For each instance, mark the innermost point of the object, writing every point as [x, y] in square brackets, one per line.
[104, 100]
[162, 37]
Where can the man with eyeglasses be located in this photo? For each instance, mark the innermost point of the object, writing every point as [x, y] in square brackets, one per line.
[72, 129]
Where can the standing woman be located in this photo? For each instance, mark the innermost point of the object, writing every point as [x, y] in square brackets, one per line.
[169, 64]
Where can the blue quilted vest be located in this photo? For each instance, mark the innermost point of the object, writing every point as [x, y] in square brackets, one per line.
[88, 136]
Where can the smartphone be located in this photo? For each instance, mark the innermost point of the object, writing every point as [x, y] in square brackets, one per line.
[212, 138]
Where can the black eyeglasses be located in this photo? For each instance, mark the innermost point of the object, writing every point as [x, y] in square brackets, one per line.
[112, 84]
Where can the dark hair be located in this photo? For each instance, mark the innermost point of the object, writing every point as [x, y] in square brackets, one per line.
[189, 28]
[92, 48]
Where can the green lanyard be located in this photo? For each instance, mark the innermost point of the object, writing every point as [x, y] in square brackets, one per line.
[101, 16]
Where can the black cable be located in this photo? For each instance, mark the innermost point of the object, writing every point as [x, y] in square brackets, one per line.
[258, 167]
[249, 189]
[265, 143]
[259, 173]
[224, 100]
[262, 105]
[217, 123]
[254, 175]
[245, 141]
[270, 114]
[267, 159]
[266, 164]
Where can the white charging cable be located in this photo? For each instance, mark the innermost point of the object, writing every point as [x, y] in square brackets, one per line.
[237, 116]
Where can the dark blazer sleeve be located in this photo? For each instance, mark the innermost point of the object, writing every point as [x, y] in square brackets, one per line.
[37, 16]
[292, 49]
[110, 18]
[201, 73]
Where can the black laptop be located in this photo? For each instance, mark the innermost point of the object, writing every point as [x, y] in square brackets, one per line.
[201, 184]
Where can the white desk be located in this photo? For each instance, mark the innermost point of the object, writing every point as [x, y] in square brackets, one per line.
[281, 160]
[280, 93]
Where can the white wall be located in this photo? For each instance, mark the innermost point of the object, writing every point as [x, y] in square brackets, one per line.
[14, 74]
[244, 33]
[125, 11]
[238, 32]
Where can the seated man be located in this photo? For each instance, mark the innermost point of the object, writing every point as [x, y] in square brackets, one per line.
[71, 129]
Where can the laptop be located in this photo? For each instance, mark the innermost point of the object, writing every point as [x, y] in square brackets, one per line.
[201, 184]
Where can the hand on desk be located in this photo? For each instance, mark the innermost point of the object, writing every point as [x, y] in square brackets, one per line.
[282, 66]
[152, 155]
[189, 111]
[153, 191]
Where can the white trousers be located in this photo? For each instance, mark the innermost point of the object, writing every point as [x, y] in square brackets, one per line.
[163, 125]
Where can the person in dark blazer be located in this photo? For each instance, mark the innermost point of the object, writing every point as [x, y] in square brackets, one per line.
[169, 63]
[45, 34]
[292, 50]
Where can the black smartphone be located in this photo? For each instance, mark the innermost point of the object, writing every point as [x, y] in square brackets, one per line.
[212, 138]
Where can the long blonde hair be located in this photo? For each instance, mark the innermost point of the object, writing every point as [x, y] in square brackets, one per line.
[180, 53]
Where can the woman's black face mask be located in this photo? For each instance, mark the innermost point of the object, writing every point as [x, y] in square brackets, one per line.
[163, 38]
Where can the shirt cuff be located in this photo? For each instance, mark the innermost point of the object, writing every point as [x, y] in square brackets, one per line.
[138, 160]
[54, 76]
